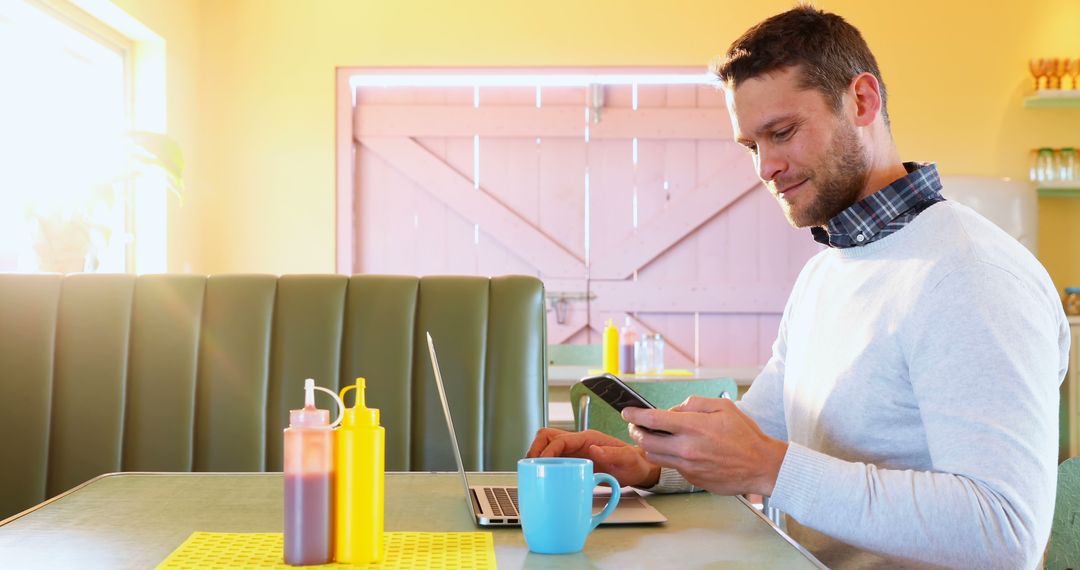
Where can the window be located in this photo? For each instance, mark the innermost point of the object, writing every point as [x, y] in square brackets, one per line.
[65, 110]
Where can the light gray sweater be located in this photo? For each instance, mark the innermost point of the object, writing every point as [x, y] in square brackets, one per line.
[916, 381]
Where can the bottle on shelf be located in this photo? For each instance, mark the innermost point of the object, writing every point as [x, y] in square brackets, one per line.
[361, 462]
[611, 348]
[309, 476]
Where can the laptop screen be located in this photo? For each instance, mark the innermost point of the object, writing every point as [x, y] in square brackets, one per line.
[449, 420]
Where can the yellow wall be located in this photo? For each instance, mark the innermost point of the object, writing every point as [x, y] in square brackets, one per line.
[260, 86]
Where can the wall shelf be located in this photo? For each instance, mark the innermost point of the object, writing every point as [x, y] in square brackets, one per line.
[1054, 99]
[1067, 190]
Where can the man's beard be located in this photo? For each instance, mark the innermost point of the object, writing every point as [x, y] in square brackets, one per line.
[838, 182]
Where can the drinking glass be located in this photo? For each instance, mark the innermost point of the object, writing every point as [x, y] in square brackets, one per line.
[1044, 165]
[1035, 66]
[658, 353]
[1072, 68]
[1053, 73]
[643, 355]
[1067, 164]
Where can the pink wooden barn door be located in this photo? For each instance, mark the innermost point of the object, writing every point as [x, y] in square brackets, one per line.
[648, 210]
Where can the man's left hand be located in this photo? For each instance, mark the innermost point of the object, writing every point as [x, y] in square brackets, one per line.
[714, 445]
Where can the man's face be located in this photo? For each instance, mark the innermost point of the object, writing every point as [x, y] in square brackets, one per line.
[809, 156]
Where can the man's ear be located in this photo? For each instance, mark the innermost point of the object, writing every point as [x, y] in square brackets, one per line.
[866, 91]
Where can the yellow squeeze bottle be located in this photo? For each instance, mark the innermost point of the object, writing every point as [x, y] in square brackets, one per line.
[611, 348]
[360, 456]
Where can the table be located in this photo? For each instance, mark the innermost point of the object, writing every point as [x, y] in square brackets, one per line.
[561, 378]
[134, 520]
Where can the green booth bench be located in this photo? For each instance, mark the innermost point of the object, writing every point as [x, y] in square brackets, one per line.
[106, 373]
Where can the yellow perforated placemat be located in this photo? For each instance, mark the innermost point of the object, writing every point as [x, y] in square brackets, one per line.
[420, 550]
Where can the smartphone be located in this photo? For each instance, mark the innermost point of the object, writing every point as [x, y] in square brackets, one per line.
[618, 395]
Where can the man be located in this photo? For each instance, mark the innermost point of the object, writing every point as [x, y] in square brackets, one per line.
[908, 414]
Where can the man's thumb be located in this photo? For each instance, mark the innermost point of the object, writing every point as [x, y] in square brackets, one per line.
[703, 405]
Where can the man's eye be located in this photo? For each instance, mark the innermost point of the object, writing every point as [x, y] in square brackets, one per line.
[751, 148]
[784, 134]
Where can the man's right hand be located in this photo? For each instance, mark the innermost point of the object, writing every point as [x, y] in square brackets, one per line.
[611, 455]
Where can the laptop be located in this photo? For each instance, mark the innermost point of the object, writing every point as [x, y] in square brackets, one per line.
[494, 505]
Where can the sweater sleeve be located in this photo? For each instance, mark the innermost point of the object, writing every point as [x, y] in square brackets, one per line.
[764, 401]
[984, 353]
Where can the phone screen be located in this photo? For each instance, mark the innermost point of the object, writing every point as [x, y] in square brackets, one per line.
[618, 395]
[615, 392]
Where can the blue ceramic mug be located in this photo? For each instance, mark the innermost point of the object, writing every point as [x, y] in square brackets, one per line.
[555, 499]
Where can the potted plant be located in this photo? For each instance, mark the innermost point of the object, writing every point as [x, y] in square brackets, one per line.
[69, 236]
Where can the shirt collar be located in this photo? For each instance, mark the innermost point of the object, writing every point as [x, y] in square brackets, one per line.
[891, 207]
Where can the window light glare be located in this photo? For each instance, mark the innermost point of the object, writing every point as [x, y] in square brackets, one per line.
[64, 154]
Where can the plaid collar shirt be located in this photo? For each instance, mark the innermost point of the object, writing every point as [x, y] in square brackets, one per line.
[884, 212]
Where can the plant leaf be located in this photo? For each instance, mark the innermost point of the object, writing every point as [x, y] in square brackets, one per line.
[160, 150]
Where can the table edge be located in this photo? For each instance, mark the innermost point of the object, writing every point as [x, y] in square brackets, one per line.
[802, 549]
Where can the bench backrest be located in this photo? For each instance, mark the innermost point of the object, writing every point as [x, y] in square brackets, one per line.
[104, 373]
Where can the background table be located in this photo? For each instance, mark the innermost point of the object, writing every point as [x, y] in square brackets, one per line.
[134, 520]
[562, 377]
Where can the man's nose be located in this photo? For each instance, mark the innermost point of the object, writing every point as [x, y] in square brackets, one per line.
[769, 165]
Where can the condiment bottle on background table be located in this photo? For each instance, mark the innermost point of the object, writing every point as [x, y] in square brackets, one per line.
[360, 452]
[627, 340]
[611, 348]
[309, 481]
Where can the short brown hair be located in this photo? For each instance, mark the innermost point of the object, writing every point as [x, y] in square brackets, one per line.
[828, 51]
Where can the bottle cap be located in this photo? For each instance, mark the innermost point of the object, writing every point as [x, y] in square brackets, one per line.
[311, 417]
[359, 415]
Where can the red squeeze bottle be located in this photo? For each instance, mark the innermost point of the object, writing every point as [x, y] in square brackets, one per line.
[627, 341]
[309, 482]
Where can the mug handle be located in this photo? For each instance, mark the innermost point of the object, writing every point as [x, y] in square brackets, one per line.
[612, 502]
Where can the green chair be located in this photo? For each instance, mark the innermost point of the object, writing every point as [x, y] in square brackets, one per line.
[574, 355]
[1064, 548]
[590, 412]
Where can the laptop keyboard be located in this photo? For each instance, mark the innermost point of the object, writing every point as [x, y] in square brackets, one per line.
[503, 500]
